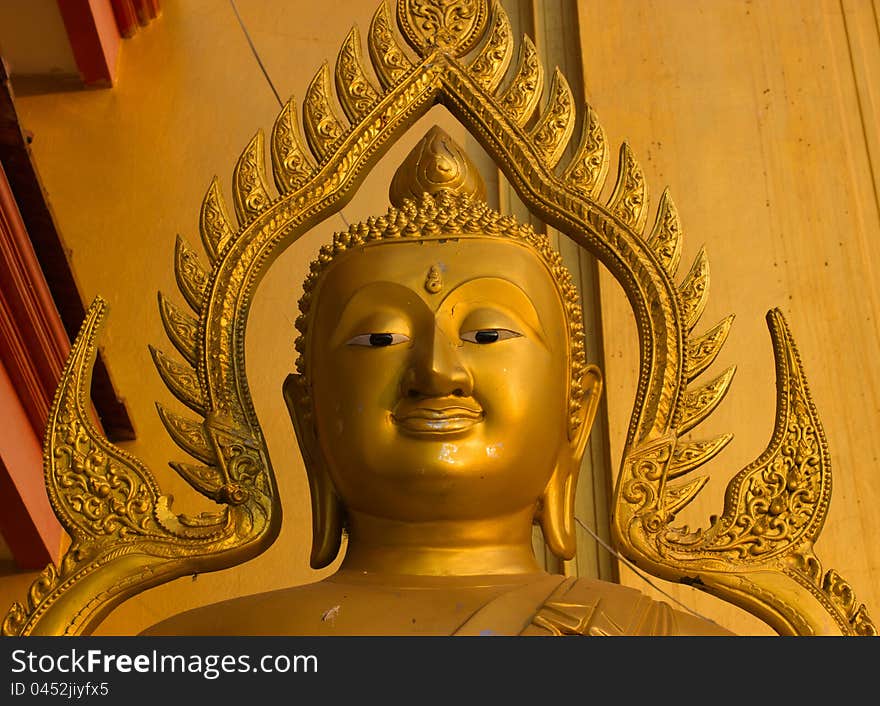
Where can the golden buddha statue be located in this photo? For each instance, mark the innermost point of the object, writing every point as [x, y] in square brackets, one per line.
[442, 401]
[443, 404]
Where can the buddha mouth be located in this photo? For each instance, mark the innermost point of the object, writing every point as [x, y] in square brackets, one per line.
[432, 417]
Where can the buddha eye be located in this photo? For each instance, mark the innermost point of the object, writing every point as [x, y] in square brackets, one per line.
[377, 340]
[488, 335]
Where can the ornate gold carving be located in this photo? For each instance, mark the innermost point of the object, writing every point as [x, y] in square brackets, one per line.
[181, 379]
[204, 479]
[181, 328]
[699, 403]
[191, 278]
[757, 554]
[436, 163]
[450, 25]
[677, 497]
[490, 64]
[214, 223]
[589, 166]
[291, 164]
[249, 190]
[124, 536]
[666, 235]
[356, 94]
[524, 91]
[694, 290]
[694, 454]
[388, 59]
[702, 351]
[553, 129]
[629, 201]
[188, 435]
[323, 128]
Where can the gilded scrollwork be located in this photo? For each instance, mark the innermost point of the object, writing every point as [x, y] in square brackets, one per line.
[524, 91]
[553, 129]
[629, 200]
[588, 169]
[214, 224]
[323, 128]
[291, 164]
[250, 191]
[694, 290]
[491, 62]
[666, 236]
[182, 329]
[389, 61]
[191, 278]
[702, 350]
[355, 91]
[450, 25]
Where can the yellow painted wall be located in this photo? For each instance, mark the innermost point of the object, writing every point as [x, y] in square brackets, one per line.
[762, 119]
[750, 113]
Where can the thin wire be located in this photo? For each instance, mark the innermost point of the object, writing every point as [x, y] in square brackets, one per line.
[266, 73]
[255, 53]
[639, 573]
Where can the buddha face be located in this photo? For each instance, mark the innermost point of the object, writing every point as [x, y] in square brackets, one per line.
[439, 374]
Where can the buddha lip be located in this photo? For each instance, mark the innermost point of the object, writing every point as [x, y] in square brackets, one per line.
[438, 420]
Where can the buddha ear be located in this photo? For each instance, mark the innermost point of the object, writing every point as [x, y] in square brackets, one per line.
[327, 510]
[556, 515]
[591, 384]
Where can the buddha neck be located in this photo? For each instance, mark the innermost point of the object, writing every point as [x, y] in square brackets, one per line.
[489, 546]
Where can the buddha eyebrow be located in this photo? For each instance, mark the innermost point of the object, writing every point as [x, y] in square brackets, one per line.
[528, 314]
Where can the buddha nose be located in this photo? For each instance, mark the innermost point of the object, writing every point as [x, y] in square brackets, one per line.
[437, 369]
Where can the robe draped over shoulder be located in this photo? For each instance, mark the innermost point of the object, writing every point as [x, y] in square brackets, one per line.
[555, 605]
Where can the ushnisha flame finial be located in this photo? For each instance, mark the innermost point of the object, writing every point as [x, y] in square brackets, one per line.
[436, 164]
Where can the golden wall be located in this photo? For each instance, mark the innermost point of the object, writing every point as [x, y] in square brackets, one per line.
[762, 118]
[759, 117]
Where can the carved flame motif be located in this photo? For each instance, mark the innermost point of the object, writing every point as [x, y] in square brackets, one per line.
[758, 554]
[450, 25]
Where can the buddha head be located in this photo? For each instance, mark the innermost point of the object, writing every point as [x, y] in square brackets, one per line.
[441, 371]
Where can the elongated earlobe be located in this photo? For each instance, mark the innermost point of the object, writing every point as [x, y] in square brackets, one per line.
[327, 511]
[558, 502]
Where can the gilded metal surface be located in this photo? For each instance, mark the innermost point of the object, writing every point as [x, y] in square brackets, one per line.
[666, 237]
[694, 290]
[214, 224]
[490, 64]
[702, 350]
[629, 200]
[323, 127]
[181, 380]
[700, 402]
[389, 60]
[522, 95]
[437, 163]
[758, 554]
[355, 91]
[693, 454]
[250, 191]
[554, 127]
[191, 278]
[182, 329]
[291, 161]
[587, 170]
